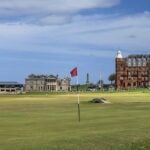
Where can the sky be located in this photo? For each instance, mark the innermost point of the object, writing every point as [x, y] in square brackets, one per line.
[54, 36]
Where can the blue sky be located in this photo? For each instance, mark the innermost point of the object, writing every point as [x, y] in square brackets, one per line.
[54, 36]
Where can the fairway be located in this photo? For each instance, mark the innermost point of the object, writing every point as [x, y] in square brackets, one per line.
[49, 122]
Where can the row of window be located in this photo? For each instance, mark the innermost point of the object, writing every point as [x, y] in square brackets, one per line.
[135, 84]
[138, 73]
[42, 82]
[137, 62]
[40, 88]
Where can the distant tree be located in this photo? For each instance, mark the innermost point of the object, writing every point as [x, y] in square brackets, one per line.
[112, 78]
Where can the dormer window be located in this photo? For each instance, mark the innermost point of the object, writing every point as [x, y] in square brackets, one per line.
[129, 62]
[144, 62]
[134, 62]
[139, 62]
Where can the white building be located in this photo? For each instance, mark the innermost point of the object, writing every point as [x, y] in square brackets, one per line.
[46, 83]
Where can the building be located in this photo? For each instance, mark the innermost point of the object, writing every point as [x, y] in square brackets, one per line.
[46, 83]
[10, 87]
[132, 71]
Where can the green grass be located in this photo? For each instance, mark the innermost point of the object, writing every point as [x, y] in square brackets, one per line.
[49, 122]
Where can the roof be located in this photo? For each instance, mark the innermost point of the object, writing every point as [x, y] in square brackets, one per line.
[33, 76]
[119, 55]
[139, 56]
[10, 83]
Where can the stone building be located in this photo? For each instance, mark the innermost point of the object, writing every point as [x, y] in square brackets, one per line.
[132, 71]
[10, 87]
[46, 83]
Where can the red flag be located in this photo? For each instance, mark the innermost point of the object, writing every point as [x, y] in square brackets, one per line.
[74, 72]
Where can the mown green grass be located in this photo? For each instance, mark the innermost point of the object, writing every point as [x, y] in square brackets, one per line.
[49, 122]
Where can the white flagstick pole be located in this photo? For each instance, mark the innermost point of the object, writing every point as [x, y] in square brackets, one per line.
[78, 99]
[100, 80]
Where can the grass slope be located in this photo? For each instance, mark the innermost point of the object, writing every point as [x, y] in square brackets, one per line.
[49, 122]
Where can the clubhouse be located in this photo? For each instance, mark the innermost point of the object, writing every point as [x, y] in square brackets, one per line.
[46, 83]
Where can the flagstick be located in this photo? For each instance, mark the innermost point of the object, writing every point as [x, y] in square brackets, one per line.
[78, 100]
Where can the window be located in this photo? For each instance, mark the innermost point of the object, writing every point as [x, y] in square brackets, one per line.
[139, 74]
[129, 62]
[144, 61]
[134, 62]
[139, 62]
[129, 74]
[129, 84]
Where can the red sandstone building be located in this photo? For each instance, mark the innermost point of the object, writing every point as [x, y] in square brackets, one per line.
[132, 71]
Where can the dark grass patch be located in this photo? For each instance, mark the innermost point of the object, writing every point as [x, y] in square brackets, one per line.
[136, 145]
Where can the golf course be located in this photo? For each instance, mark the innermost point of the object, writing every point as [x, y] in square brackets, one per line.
[49, 121]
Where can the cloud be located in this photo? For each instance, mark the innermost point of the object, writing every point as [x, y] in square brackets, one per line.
[47, 11]
[91, 35]
[52, 6]
[44, 33]
[54, 20]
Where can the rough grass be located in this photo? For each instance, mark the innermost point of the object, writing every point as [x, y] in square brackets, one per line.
[49, 122]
